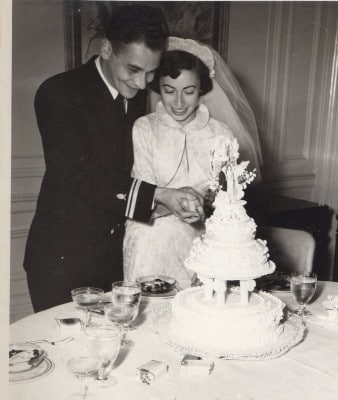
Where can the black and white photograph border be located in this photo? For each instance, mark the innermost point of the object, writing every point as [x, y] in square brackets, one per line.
[304, 169]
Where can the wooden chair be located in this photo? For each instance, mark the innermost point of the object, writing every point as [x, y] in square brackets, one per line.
[291, 250]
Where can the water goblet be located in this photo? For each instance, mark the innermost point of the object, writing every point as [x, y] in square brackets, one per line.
[127, 293]
[87, 298]
[122, 314]
[104, 341]
[124, 292]
[83, 367]
[303, 286]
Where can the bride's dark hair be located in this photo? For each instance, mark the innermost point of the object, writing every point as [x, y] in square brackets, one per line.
[174, 61]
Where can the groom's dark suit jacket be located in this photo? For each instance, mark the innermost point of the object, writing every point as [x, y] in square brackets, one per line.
[86, 191]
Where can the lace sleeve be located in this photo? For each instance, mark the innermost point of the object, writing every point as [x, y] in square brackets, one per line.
[142, 144]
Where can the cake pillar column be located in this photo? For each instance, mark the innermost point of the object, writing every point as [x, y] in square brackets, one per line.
[221, 289]
[245, 288]
[208, 288]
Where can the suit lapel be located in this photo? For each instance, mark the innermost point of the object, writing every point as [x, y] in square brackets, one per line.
[104, 124]
[114, 128]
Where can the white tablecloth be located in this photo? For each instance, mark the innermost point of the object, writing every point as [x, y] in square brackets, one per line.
[307, 371]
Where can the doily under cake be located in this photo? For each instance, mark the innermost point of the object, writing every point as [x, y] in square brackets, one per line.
[291, 335]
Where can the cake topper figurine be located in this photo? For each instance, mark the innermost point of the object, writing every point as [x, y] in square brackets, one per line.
[224, 159]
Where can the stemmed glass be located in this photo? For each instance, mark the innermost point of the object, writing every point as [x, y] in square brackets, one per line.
[87, 298]
[83, 367]
[303, 286]
[126, 297]
[103, 342]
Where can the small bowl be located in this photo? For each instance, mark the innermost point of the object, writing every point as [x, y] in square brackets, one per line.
[87, 296]
[156, 284]
[24, 356]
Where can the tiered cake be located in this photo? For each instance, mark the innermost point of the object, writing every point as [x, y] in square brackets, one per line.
[215, 318]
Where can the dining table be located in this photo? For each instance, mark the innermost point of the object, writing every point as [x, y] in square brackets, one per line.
[307, 371]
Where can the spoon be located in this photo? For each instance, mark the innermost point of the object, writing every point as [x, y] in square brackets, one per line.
[53, 342]
[68, 321]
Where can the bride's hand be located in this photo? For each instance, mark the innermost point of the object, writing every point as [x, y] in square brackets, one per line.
[185, 203]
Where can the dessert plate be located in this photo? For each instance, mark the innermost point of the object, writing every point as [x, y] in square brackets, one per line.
[278, 282]
[168, 295]
[156, 285]
[45, 367]
[24, 357]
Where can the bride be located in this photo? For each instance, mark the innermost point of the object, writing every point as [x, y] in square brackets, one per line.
[200, 100]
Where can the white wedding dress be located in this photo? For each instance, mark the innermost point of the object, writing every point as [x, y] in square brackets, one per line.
[169, 155]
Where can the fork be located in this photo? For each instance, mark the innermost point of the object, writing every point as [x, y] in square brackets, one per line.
[53, 342]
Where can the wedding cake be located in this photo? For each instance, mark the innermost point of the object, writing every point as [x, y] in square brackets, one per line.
[214, 317]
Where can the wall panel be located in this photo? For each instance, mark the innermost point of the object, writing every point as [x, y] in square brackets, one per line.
[37, 53]
[288, 86]
[27, 173]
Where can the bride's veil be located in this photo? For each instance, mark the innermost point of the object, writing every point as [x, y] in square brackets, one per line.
[228, 104]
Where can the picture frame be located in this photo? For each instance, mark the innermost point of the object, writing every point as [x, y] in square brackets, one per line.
[85, 23]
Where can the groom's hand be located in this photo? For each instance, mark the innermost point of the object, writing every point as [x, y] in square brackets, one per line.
[185, 203]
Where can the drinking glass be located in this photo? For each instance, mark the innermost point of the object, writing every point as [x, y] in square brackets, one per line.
[83, 367]
[126, 293]
[87, 298]
[303, 286]
[123, 315]
[104, 341]
[125, 305]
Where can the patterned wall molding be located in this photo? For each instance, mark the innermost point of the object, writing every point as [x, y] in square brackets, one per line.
[282, 105]
[223, 9]
[327, 138]
[271, 74]
[311, 93]
[27, 165]
[24, 202]
[298, 187]
[287, 159]
[27, 172]
[19, 233]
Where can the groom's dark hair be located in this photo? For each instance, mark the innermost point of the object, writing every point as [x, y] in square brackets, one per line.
[138, 23]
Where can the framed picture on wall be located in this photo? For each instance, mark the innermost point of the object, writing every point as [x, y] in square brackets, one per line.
[86, 22]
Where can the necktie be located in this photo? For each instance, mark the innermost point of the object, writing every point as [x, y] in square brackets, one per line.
[119, 102]
[126, 140]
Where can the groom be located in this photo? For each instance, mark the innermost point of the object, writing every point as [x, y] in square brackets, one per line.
[85, 117]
